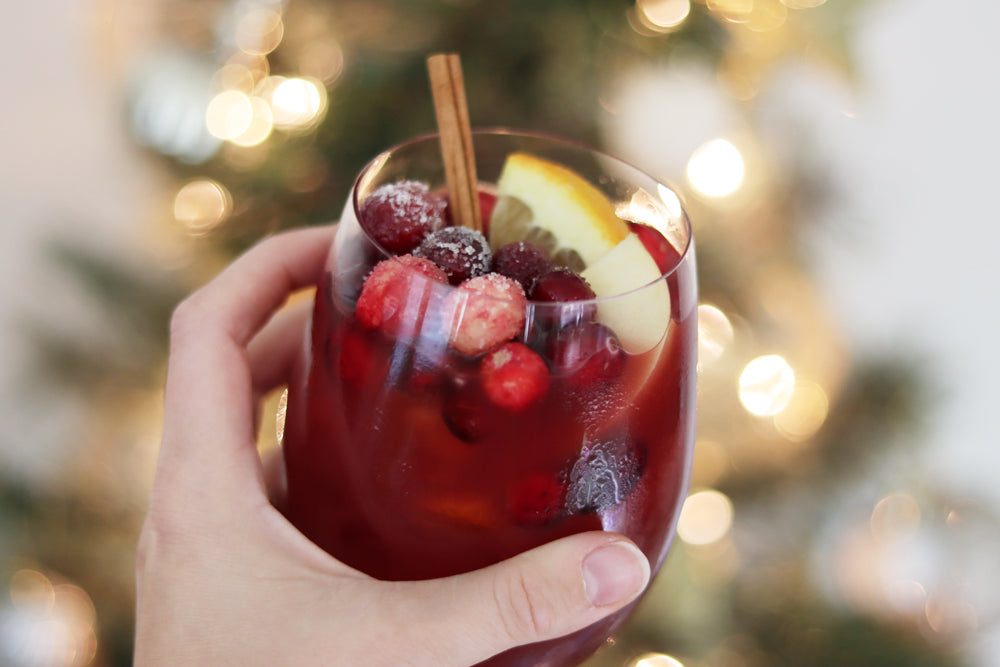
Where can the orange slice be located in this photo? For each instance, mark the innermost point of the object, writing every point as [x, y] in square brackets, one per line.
[564, 204]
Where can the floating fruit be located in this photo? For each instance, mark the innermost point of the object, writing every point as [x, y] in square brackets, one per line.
[399, 215]
[562, 203]
[462, 253]
[639, 317]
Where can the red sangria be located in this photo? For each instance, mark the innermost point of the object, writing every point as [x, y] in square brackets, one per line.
[474, 394]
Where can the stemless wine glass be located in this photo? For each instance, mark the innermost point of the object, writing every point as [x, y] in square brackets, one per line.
[401, 466]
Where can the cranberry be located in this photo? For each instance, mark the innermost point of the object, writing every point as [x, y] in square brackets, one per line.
[490, 310]
[399, 215]
[462, 253]
[514, 376]
[561, 285]
[523, 261]
[465, 413]
[587, 354]
[395, 294]
[537, 499]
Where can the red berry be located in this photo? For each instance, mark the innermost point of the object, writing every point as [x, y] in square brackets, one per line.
[395, 294]
[486, 311]
[561, 285]
[537, 499]
[399, 215]
[465, 413]
[514, 376]
[523, 261]
[462, 253]
[658, 247]
[587, 354]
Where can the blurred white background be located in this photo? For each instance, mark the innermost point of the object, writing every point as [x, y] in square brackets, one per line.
[910, 260]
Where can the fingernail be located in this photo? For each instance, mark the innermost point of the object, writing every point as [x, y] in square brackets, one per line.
[614, 573]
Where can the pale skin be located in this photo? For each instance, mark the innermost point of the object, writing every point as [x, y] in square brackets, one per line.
[224, 579]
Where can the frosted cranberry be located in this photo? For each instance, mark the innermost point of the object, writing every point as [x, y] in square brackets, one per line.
[462, 253]
[514, 376]
[587, 354]
[399, 215]
[537, 499]
[489, 310]
[561, 285]
[395, 294]
[523, 261]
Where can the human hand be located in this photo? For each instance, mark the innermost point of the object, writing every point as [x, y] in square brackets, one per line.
[224, 579]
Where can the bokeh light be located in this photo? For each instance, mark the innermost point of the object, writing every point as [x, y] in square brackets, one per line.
[766, 385]
[49, 623]
[656, 660]
[259, 32]
[229, 114]
[715, 333]
[298, 103]
[260, 126]
[663, 15]
[706, 517]
[805, 413]
[201, 204]
[716, 168]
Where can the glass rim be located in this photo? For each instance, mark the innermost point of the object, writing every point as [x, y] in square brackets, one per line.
[383, 156]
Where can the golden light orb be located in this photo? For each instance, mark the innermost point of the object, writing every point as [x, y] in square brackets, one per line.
[716, 168]
[707, 516]
[201, 204]
[663, 15]
[766, 385]
[298, 103]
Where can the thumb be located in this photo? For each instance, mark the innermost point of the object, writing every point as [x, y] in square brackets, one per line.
[544, 593]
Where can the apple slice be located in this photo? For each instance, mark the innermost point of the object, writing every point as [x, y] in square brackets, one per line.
[639, 317]
[564, 204]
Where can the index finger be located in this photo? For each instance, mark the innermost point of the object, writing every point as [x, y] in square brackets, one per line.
[208, 402]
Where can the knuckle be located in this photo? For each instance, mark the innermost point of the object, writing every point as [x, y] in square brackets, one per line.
[526, 613]
[186, 317]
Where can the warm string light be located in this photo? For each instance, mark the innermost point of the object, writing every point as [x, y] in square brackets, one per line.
[48, 623]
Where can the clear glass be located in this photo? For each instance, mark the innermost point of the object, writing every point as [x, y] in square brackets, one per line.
[398, 465]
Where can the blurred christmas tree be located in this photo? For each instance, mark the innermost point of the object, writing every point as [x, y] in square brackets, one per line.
[262, 112]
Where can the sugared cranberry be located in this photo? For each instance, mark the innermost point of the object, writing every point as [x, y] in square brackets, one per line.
[523, 261]
[462, 253]
[658, 247]
[395, 294]
[537, 499]
[586, 354]
[399, 215]
[607, 471]
[561, 285]
[514, 376]
[487, 310]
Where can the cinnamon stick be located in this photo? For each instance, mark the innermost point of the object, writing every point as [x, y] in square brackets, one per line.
[452, 112]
